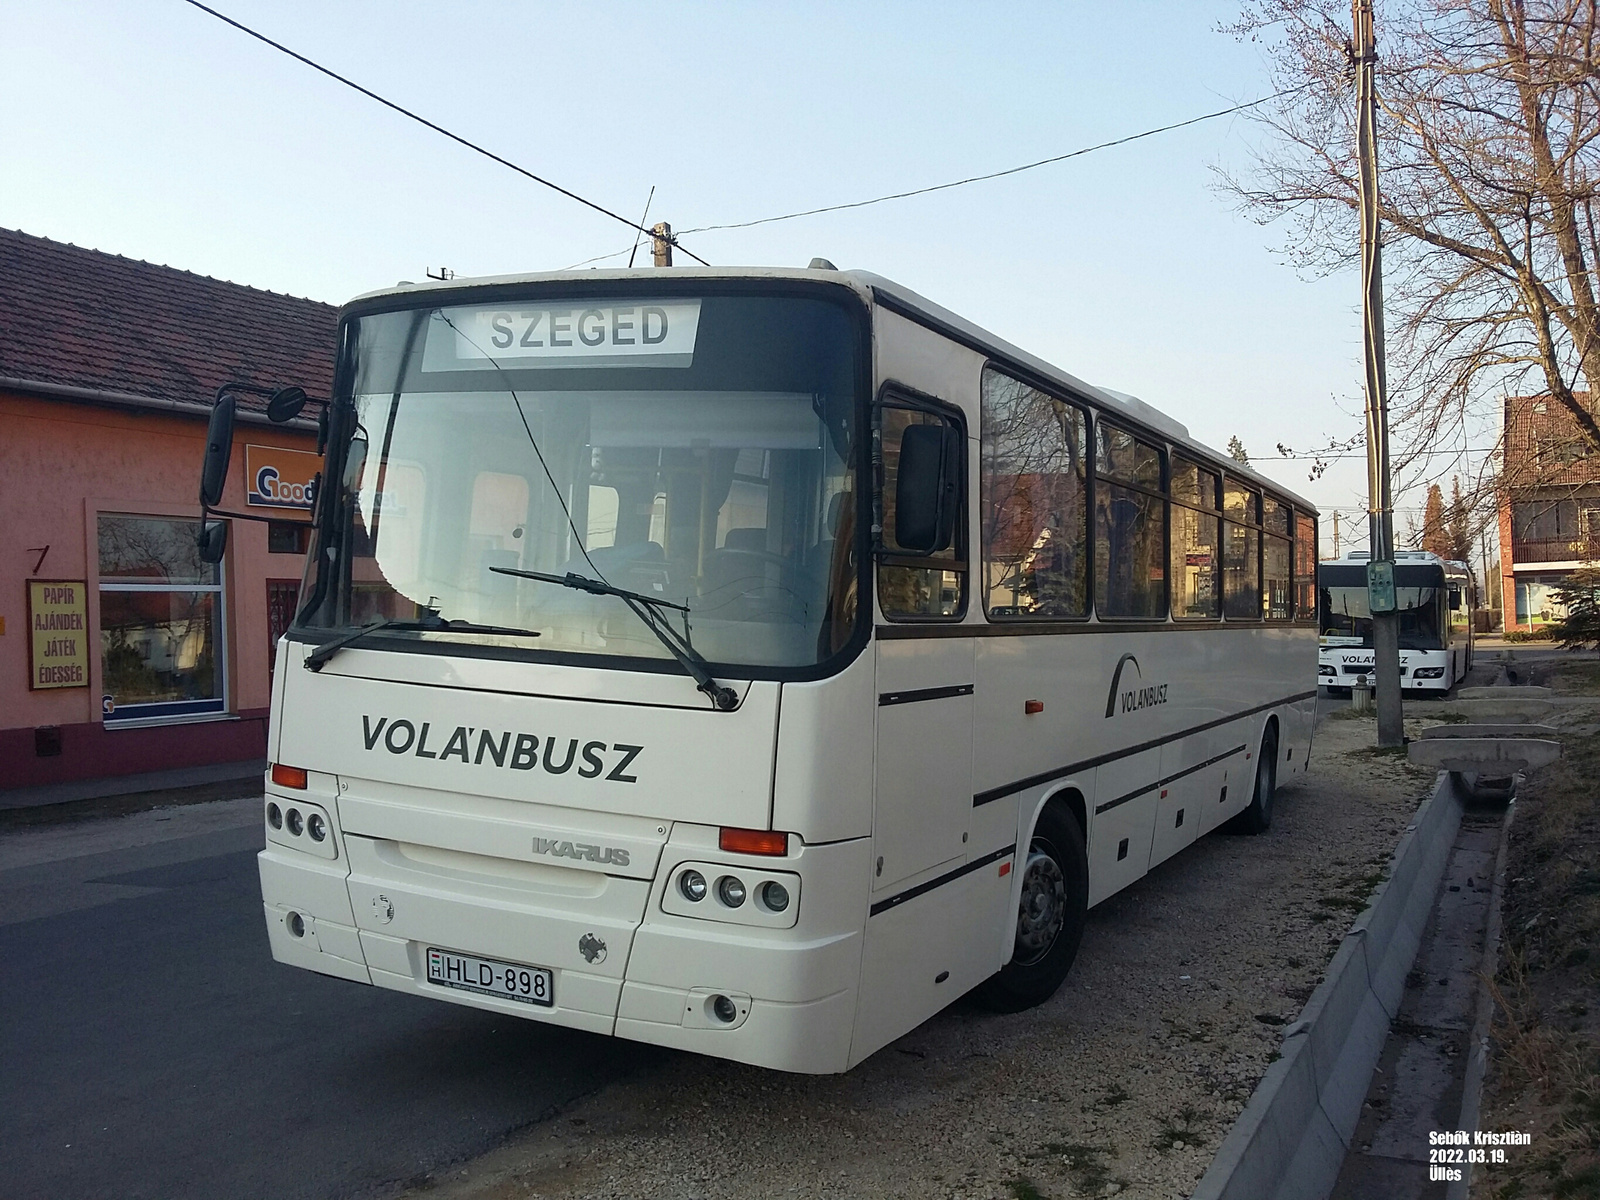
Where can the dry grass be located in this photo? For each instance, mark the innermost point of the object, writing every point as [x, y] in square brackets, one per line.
[1545, 1072]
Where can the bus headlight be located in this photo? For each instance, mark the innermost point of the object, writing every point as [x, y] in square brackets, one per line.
[742, 894]
[1428, 673]
[1325, 669]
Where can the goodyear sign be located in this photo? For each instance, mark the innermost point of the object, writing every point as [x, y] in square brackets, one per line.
[278, 478]
[58, 631]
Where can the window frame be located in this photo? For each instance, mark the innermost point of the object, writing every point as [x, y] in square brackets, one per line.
[898, 395]
[1164, 458]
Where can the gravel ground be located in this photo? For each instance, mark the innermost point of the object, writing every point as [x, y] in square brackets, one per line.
[1122, 1084]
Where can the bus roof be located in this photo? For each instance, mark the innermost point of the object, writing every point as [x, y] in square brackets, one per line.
[897, 298]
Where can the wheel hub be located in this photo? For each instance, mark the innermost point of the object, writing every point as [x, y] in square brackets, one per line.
[1043, 911]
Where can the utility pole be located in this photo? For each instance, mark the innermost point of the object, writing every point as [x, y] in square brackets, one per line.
[661, 239]
[1336, 533]
[1380, 502]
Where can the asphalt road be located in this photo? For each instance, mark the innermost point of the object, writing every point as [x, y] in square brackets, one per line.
[150, 1047]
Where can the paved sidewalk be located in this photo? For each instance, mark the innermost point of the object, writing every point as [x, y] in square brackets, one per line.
[130, 793]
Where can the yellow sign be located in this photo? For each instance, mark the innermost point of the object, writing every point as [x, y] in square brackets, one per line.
[58, 624]
[279, 478]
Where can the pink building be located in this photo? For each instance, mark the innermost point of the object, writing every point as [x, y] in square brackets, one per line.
[120, 652]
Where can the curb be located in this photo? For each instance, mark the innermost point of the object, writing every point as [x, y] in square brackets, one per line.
[1292, 1137]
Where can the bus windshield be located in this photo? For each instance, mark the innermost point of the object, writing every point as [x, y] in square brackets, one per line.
[698, 451]
[1346, 619]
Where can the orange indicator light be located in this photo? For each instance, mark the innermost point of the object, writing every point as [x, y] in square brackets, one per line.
[1030, 707]
[753, 841]
[289, 777]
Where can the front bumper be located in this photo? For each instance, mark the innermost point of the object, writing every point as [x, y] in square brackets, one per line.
[621, 964]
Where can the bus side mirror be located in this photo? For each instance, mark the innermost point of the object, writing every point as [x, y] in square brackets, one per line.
[1455, 597]
[285, 404]
[219, 449]
[926, 494]
[212, 541]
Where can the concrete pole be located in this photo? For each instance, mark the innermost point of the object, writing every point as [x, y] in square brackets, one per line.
[661, 241]
[1380, 501]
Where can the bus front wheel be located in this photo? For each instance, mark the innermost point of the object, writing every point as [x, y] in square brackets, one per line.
[1050, 916]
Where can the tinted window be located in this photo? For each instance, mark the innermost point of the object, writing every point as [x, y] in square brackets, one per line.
[1241, 565]
[1119, 455]
[1129, 544]
[1035, 517]
[1193, 484]
[1241, 503]
[1195, 563]
[1305, 565]
[1275, 595]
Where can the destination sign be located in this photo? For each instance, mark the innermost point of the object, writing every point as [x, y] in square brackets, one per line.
[654, 334]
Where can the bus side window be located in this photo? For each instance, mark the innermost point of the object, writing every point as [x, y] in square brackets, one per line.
[1034, 502]
[1130, 526]
[1241, 551]
[911, 587]
[1305, 566]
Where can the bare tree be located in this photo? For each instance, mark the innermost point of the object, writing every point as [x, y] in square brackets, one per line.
[1488, 158]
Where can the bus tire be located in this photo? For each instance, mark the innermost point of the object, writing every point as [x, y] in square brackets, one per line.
[1050, 916]
[1257, 818]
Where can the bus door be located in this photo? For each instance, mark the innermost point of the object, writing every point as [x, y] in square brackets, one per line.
[923, 803]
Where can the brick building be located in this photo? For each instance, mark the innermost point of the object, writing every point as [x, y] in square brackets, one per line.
[1549, 507]
[120, 652]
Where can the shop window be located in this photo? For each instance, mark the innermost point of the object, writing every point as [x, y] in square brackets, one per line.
[1035, 511]
[287, 537]
[160, 621]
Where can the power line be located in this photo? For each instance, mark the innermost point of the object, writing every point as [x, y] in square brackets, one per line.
[1043, 162]
[454, 137]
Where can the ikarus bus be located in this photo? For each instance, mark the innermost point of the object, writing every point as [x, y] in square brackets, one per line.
[1435, 598]
[754, 661]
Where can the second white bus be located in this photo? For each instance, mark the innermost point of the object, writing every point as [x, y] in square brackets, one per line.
[1435, 598]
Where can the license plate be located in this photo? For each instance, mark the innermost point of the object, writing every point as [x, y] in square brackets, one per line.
[510, 981]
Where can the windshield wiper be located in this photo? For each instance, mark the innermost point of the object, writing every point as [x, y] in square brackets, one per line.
[648, 609]
[315, 660]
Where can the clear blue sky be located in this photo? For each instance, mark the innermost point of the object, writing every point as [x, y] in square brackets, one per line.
[154, 131]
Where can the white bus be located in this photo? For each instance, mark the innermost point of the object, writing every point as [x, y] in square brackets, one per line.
[1435, 598]
[754, 661]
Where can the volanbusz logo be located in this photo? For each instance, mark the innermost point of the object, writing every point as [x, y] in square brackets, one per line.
[501, 748]
[1137, 696]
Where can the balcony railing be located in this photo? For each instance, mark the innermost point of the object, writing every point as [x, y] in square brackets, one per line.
[1580, 549]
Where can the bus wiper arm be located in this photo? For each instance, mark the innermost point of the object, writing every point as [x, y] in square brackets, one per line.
[647, 609]
[315, 660]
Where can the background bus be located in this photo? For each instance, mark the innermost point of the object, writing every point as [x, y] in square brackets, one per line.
[1436, 599]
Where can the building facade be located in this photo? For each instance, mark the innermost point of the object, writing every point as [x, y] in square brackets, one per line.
[1549, 507]
[120, 652]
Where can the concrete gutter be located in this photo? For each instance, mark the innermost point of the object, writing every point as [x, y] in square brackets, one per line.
[1291, 1139]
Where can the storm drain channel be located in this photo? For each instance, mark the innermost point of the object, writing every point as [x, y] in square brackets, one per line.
[1422, 1074]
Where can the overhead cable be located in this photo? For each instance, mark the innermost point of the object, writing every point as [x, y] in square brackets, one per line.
[455, 137]
[1043, 162]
